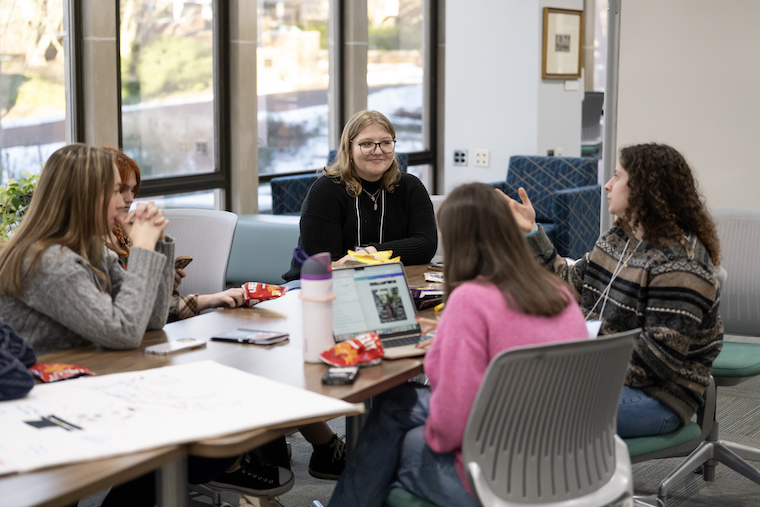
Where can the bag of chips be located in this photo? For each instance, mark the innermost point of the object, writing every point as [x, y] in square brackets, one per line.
[54, 372]
[364, 350]
[373, 258]
[256, 292]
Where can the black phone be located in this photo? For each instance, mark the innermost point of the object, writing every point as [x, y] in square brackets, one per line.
[340, 375]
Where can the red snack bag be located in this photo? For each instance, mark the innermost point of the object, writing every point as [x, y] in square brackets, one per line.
[54, 372]
[256, 292]
[366, 349]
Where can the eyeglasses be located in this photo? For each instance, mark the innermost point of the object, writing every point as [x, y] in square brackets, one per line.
[368, 148]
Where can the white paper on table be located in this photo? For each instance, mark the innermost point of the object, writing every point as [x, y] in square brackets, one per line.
[135, 411]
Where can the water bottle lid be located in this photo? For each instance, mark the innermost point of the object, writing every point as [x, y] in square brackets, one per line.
[317, 267]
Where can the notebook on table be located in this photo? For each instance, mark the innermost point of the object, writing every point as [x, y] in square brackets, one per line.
[376, 298]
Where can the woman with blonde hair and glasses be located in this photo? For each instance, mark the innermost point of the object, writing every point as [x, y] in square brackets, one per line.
[363, 202]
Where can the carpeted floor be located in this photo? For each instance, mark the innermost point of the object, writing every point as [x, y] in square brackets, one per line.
[739, 416]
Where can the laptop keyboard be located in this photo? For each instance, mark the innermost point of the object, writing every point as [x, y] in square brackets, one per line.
[400, 342]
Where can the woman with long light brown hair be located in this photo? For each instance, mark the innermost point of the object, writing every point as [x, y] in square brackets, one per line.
[497, 297]
[59, 286]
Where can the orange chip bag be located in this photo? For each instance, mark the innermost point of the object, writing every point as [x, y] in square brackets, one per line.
[365, 350]
[256, 292]
[54, 372]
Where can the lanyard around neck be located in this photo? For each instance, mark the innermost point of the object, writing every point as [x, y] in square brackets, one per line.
[618, 268]
[359, 219]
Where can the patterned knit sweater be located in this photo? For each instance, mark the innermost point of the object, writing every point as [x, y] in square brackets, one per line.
[670, 292]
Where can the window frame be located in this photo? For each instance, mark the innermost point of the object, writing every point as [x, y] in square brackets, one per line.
[221, 178]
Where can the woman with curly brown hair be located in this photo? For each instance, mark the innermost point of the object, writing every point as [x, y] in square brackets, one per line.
[654, 269]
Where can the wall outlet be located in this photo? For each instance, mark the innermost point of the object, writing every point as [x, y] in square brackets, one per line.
[482, 158]
[460, 157]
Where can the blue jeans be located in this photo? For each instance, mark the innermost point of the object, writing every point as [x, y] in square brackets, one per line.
[641, 416]
[431, 475]
[392, 440]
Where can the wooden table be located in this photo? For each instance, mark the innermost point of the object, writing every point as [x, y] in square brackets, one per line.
[283, 362]
[63, 486]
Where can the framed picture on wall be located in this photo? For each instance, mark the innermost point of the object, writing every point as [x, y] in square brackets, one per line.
[562, 44]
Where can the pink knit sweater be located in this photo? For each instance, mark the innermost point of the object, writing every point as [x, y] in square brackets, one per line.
[476, 325]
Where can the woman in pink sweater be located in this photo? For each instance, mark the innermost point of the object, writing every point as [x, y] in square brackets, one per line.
[497, 297]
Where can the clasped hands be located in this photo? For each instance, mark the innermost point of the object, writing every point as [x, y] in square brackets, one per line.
[145, 225]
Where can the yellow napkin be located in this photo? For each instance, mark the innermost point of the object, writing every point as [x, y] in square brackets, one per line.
[375, 258]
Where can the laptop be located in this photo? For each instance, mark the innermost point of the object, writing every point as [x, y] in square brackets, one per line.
[376, 297]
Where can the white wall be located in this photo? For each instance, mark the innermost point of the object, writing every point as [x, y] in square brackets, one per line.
[559, 111]
[495, 97]
[690, 77]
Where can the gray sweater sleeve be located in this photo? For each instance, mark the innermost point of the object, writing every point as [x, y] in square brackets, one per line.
[160, 313]
[66, 289]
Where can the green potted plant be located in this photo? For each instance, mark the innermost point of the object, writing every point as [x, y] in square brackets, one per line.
[14, 201]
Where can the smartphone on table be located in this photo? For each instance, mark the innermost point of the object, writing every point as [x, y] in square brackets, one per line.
[252, 336]
[340, 375]
[163, 349]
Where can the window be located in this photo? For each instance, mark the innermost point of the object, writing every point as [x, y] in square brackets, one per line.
[395, 67]
[204, 199]
[167, 93]
[292, 81]
[32, 94]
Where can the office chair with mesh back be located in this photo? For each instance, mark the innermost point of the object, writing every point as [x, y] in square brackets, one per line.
[542, 429]
[206, 236]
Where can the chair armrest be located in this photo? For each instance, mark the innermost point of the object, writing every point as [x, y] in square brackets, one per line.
[576, 220]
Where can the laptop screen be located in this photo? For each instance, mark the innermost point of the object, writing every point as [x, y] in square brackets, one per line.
[372, 298]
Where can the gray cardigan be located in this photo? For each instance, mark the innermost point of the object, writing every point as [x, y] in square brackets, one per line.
[65, 305]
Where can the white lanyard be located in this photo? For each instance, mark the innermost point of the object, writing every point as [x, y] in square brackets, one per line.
[359, 221]
[606, 292]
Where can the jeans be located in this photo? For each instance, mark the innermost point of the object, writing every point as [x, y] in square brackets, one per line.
[431, 475]
[392, 441]
[641, 416]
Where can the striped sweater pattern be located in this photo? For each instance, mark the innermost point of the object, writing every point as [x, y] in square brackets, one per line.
[670, 291]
